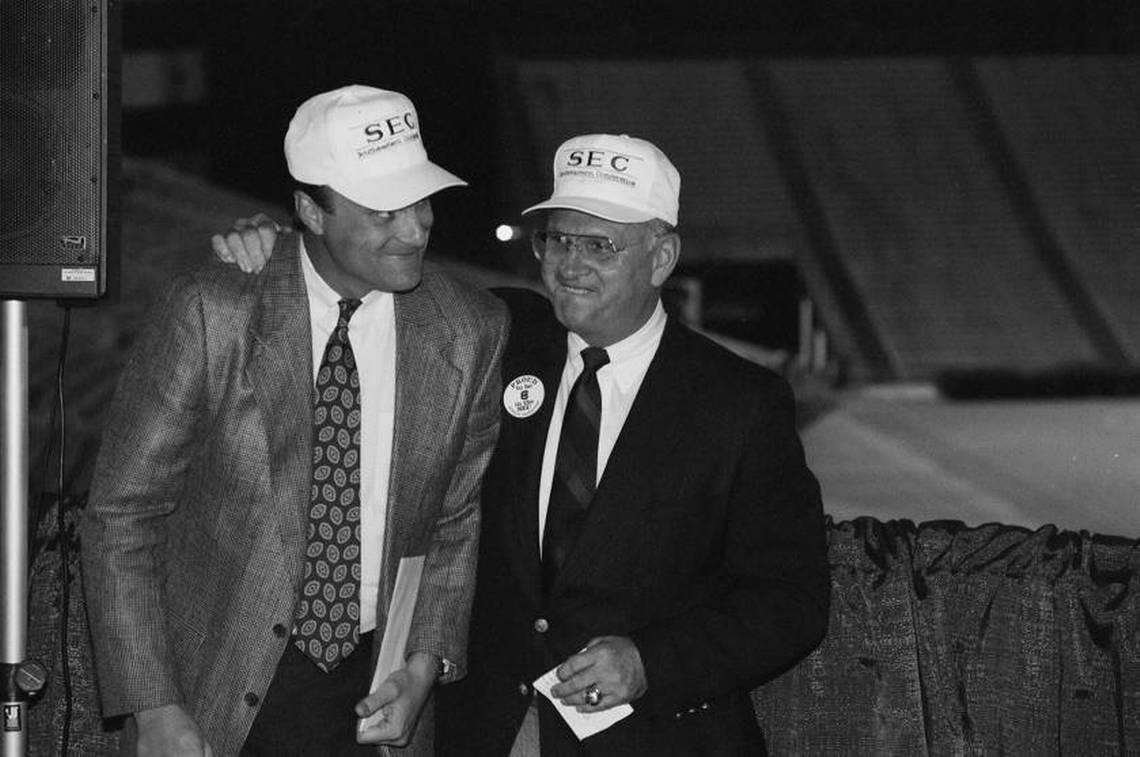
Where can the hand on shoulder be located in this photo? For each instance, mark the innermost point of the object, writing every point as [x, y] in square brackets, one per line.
[248, 243]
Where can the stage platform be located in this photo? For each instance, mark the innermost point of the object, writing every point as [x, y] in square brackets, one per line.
[902, 451]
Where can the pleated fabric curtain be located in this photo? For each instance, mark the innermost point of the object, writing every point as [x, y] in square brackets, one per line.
[954, 640]
[944, 640]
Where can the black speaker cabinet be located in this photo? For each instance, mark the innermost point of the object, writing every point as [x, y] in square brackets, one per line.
[58, 147]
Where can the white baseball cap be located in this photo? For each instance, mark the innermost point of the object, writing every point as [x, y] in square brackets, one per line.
[366, 144]
[616, 177]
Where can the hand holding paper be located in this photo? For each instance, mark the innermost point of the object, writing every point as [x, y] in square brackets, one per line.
[582, 723]
[611, 664]
[398, 689]
[389, 713]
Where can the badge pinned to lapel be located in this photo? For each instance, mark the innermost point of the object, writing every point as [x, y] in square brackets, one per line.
[523, 396]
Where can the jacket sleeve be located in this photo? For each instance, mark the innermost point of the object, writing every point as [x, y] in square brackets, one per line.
[443, 616]
[766, 603]
[145, 452]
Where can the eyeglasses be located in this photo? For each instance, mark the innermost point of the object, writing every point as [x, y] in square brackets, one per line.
[555, 245]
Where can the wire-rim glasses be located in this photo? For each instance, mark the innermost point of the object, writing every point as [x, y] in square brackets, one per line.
[556, 245]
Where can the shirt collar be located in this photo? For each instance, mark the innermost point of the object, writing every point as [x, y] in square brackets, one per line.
[322, 297]
[640, 345]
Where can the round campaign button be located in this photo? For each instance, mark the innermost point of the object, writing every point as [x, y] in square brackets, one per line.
[523, 396]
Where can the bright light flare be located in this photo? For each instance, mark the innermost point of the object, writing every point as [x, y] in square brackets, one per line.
[505, 232]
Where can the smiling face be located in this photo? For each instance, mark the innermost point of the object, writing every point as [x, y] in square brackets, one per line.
[604, 304]
[357, 250]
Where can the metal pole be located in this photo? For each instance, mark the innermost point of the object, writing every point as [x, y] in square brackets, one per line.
[14, 562]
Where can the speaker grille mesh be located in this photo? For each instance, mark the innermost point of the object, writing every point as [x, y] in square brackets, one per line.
[53, 132]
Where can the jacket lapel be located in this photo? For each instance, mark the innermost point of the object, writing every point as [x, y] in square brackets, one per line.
[528, 442]
[625, 490]
[536, 347]
[279, 372]
[427, 389]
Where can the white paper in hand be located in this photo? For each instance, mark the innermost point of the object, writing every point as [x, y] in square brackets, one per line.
[393, 646]
[583, 724]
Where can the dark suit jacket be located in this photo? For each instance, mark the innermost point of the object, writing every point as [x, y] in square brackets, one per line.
[705, 543]
[194, 535]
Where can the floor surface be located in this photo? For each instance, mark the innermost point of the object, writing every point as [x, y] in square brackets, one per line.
[905, 453]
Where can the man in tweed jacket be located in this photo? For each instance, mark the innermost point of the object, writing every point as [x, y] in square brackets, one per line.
[699, 570]
[194, 540]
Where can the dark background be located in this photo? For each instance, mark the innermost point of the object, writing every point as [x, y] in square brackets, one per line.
[263, 58]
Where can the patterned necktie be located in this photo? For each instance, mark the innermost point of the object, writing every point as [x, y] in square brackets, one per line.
[575, 467]
[328, 618]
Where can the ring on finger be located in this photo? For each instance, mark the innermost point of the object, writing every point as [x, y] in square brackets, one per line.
[593, 696]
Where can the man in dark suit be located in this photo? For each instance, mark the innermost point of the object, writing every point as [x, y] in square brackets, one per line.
[280, 444]
[688, 565]
[652, 533]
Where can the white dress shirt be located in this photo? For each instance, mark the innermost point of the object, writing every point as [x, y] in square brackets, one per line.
[618, 380]
[372, 331]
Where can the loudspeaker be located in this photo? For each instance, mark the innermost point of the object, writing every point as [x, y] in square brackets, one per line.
[59, 147]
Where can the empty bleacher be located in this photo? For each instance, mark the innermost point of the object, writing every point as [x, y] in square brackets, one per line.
[1073, 126]
[944, 213]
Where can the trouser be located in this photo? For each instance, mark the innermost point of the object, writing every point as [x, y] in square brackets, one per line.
[309, 712]
[527, 740]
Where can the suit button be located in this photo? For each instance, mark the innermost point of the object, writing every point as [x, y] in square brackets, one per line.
[279, 631]
[524, 689]
[251, 699]
[541, 625]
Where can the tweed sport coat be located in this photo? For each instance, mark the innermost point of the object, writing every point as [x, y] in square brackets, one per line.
[705, 543]
[194, 534]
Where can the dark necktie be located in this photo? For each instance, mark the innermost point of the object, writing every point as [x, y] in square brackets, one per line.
[575, 467]
[328, 618]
